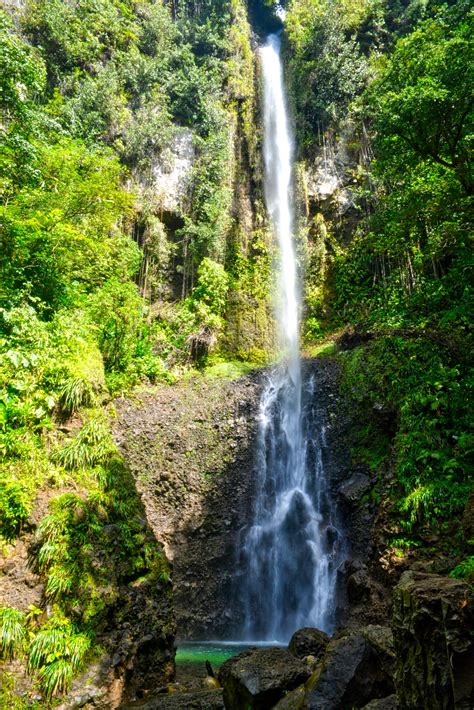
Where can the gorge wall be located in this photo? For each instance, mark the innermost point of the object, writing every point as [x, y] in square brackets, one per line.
[192, 450]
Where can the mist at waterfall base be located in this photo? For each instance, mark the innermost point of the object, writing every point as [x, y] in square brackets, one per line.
[291, 552]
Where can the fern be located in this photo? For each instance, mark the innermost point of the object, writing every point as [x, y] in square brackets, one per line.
[12, 632]
[464, 570]
[58, 651]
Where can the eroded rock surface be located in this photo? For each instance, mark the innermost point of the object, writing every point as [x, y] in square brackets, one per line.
[432, 624]
[257, 679]
[190, 447]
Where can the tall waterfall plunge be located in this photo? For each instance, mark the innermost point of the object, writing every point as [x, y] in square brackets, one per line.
[292, 550]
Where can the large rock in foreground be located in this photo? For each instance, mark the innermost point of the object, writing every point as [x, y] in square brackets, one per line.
[200, 700]
[352, 674]
[432, 622]
[257, 679]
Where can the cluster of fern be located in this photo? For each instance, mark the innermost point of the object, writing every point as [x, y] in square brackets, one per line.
[89, 544]
[54, 652]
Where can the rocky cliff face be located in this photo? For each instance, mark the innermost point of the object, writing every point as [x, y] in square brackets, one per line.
[192, 449]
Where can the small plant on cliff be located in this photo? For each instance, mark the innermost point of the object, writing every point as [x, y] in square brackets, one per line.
[465, 569]
[76, 392]
[14, 507]
[92, 446]
[12, 632]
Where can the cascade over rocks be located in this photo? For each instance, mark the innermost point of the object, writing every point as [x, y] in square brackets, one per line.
[191, 448]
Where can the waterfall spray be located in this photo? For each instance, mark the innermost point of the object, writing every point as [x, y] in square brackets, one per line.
[291, 550]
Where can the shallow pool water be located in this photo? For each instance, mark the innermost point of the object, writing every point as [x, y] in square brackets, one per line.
[199, 652]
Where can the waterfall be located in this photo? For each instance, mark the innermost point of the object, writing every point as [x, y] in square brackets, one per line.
[291, 551]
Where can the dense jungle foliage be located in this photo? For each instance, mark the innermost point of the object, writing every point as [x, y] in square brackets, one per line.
[397, 78]
[101, 290]
[91, 93]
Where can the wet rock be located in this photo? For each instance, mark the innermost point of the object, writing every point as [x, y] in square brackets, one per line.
[352, 490]
[351, 675]
[308, 642]
[432, 620]
[257, 679]
[200, 700]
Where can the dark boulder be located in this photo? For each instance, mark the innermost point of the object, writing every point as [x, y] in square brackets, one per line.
[352, 674]
[200, 700]
[308, 642]
[381, 640]
[258, 678]
[389, 703]
[432, 623]
[358, 587]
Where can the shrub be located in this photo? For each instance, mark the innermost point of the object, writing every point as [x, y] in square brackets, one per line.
[412, 394]
[15, 507]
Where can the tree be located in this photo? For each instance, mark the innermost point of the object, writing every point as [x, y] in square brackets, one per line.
[22, 76]
[423, 100]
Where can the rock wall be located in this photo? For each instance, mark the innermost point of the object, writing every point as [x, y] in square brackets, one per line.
[191, 448]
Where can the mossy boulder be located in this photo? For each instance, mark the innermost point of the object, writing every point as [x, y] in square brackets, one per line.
[432, 627]
[308, 642]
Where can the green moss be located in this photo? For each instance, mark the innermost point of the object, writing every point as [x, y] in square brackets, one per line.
[229, 370]
[324, 349]
[10, 696]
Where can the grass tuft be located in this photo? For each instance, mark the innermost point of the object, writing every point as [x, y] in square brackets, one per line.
[92, 446]
[76, 392]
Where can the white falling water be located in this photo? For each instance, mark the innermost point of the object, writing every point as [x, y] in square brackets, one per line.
[291, 550]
